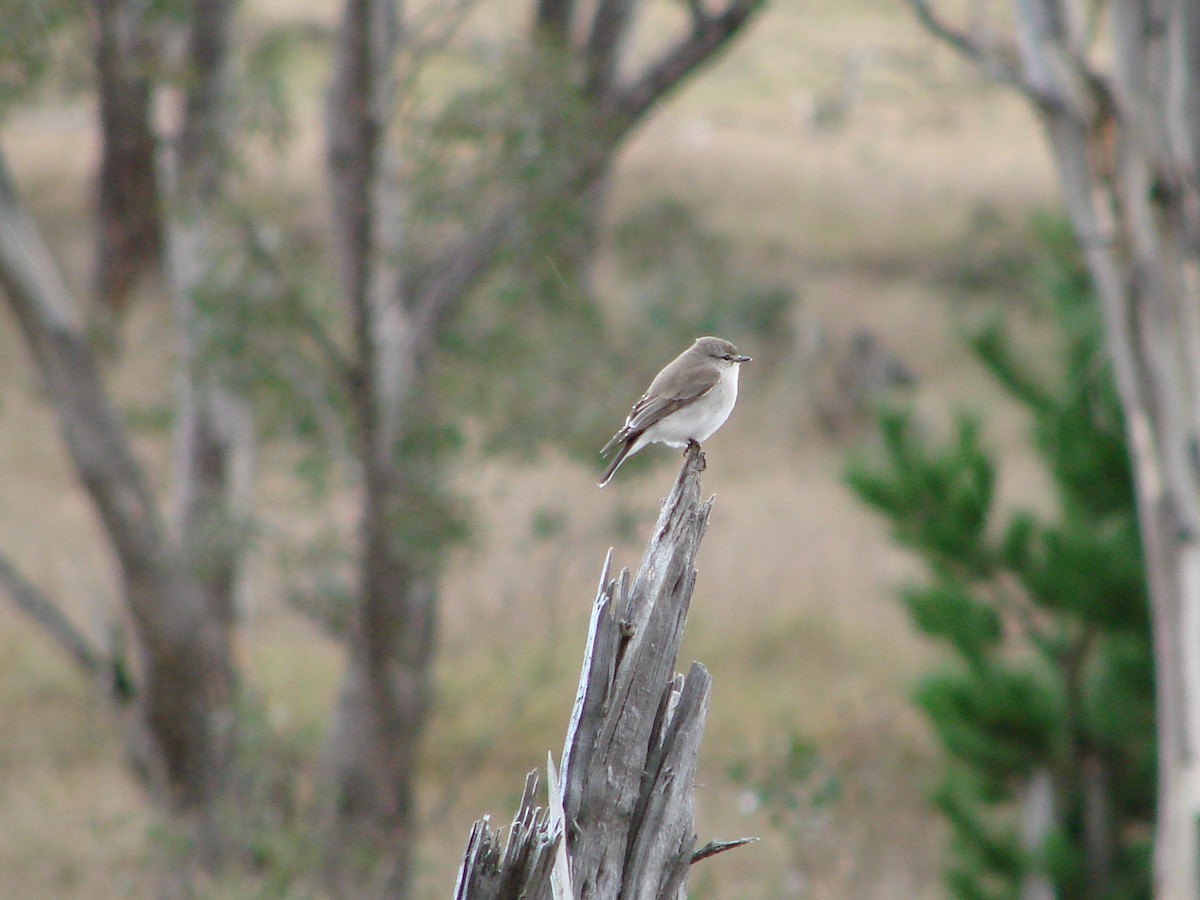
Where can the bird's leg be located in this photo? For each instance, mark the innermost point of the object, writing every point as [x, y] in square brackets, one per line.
[692, 442]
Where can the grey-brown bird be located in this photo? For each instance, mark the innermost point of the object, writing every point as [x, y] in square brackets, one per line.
[686, 402]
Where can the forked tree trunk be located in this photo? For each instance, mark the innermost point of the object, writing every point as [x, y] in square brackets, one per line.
[184, 683]
[184, 689]
[618, 822]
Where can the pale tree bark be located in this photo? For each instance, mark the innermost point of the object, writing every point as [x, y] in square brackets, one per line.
[184, 676]
[177, 596]
[371, 754]
[214, 434]
[1117, 89]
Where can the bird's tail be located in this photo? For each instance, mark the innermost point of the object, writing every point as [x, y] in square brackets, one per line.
[615, 464]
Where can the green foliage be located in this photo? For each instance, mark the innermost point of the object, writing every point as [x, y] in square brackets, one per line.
[266, 328]
[518, 354]
[937, 499]
[39, 40]
[1046, 616]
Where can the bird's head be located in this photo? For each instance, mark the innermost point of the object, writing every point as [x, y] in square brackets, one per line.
[720, 350]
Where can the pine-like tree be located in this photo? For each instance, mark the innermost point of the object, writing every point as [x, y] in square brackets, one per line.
[1045, 707]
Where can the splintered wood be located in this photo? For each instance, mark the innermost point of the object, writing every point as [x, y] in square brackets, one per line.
[619, 822]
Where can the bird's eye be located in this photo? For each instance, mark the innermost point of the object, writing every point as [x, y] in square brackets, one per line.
[727, 356]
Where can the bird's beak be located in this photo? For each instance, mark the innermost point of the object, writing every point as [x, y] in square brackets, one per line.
[742, 359]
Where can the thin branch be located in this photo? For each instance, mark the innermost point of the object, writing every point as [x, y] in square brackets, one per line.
[310, 324]
[699, 15]
[1054, 79]
[88, 658]
[966, 45]
[610, 23]
[36, 289]
[712, 848]
[552, 19]
[698, 46]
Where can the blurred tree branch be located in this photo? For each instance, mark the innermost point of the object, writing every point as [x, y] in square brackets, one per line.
[180, 650]
[26, 596]
[129, 230]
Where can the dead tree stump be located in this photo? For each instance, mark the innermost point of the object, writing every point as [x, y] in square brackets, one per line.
[619, 819]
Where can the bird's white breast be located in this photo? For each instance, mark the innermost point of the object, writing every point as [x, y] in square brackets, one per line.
[699, 419]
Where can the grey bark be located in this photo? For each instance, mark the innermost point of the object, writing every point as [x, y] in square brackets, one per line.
[92, 661]
[1121, 116]
[182, 735]
[129, 234]
[371, 754]
[523, 866]
[619, 822]
[185, 675]
[214, 434]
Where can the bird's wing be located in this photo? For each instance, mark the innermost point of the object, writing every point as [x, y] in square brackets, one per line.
[656, 403]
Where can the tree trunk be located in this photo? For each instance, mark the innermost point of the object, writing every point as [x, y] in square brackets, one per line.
[371, 754]
[185, 672]
[619, 820]
[380, 715]
[214, 433]
[129, 236]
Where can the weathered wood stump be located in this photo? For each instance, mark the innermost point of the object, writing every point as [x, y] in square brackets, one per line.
[619, 819]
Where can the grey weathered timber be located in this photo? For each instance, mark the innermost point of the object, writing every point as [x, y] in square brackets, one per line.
[520, 869]
[620, 813]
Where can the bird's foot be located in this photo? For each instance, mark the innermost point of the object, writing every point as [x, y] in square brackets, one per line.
[692, 443]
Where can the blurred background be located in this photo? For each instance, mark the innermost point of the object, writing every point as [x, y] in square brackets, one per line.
[836, 193]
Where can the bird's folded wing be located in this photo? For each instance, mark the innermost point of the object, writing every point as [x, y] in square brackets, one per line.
[656, 405]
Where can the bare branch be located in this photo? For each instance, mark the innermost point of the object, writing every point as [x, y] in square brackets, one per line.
[709, 33]
[966, 45]
[605, 38]
[42, 610]
[552, 18]
[1041, 67]
[696, 8]
[712, 848]
[28, 273]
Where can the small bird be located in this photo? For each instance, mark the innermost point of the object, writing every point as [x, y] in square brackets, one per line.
[686, 402]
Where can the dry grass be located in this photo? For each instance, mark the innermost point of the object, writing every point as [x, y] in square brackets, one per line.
[792, 612]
